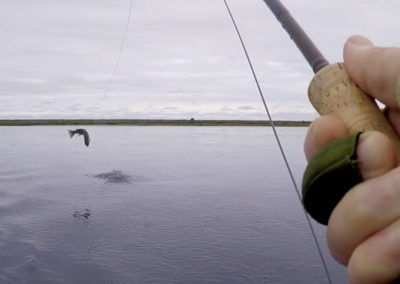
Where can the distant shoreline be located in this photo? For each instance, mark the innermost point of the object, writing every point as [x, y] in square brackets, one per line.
[149, 122]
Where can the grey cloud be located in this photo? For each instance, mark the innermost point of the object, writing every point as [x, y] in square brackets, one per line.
[245, 108]
[169, 108]
[181, 58]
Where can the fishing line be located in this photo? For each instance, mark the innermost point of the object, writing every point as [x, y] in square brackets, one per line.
[279, 143]
[114, 70]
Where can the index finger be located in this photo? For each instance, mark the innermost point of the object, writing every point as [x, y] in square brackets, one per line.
[375, 70]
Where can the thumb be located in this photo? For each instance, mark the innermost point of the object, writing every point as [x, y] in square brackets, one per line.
[374, 69]
[376, 154]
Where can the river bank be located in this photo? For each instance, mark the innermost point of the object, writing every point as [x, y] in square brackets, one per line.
[150, 122]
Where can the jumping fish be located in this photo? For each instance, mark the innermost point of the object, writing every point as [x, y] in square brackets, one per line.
[80, 131]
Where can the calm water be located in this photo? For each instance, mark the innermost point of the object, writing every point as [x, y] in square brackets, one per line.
[193, 205]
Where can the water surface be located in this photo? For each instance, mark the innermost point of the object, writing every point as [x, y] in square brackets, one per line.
[163, 204]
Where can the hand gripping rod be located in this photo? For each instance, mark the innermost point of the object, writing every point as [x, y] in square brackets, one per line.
[331, 91]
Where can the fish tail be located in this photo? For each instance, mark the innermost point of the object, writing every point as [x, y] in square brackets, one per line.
[71, 133]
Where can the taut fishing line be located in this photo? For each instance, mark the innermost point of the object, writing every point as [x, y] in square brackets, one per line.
[114, 70]
[279, 143]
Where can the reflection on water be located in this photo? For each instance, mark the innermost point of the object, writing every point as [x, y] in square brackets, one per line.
[161, 205]
[82, 213]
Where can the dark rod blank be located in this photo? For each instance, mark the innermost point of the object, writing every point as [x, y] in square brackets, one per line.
[296, 33]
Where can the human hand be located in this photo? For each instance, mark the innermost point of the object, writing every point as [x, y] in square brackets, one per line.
[364, 228]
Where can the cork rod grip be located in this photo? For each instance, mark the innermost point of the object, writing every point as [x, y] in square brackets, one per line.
[331, 91]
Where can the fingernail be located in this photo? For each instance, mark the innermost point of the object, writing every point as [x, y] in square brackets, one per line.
[356, 44]
[375, 153]
[360, 41]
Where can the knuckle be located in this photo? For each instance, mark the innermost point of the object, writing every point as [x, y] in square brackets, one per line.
[377, 259]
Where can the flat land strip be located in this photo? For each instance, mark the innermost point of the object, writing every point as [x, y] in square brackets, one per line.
[149, 122]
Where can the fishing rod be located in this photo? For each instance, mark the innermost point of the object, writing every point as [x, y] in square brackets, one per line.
[331, 91]
[313, 56]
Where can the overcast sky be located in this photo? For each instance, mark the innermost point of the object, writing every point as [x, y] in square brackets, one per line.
[181, 58]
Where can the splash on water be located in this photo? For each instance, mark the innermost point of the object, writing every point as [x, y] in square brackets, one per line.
[115, 176]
